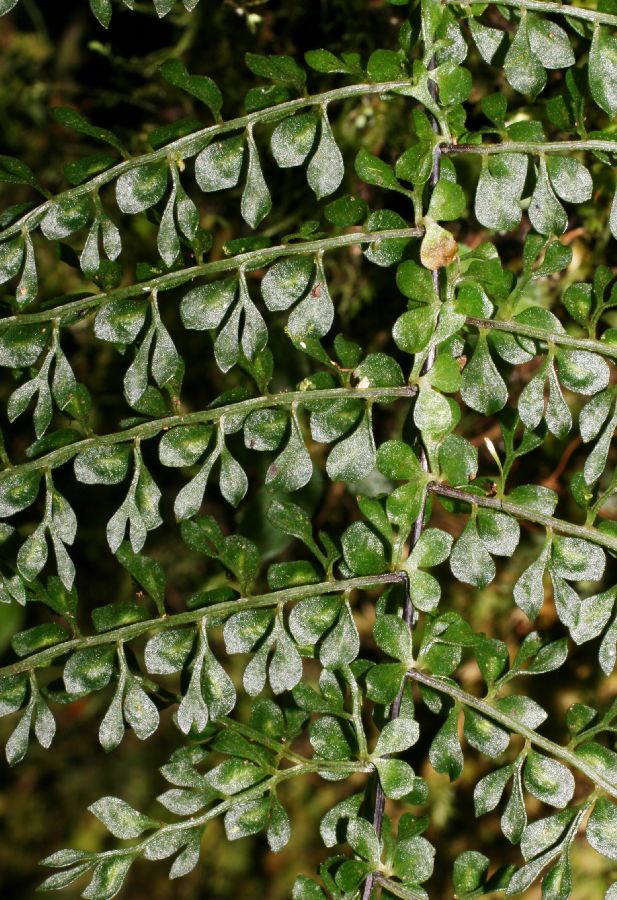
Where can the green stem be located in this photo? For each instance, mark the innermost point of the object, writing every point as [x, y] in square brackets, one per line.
[397, 889]
[252, 260]
[591, 732]
[540, 334]
[148, 430]
[188, 146]
[356, 715]
[260, 738]
[562, 9]
[513, 725]
[531, 515]
[534, 148]
[262, 788]
[129, 632]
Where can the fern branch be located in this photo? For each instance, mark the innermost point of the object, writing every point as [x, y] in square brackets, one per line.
[561, 9]
[170, 280]
[585, 532]
[216, 612]
[513, 725]
[603, 348]
[189, 146]
[151, 429]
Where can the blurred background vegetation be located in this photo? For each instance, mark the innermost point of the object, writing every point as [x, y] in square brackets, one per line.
[56, 54]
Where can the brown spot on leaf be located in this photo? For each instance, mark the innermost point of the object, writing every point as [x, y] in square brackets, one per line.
[438, 247]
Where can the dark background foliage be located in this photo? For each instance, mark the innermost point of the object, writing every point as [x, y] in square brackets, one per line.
[54, 53]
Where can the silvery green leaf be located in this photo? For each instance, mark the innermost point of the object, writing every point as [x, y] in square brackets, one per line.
[256, 199]
[363, 839]
[286, 281]
[193, 710]
[204, 307]
[397, 736]
[529, 589]
[255, 674]
[66, 216]
[88, 670]
[217, 687]
[603, 69]
[487, 40]
[141, 187]
[591, 615]
[548, 780]
[523, 709]
[432, 413]
[188, 500]
[168, 651]
[514, 817]
[227, 344]
[140, 711]
[233, 481]
[32, 554]
[544, 833]
[550, 43]
[186, 861]
[312, 317]
[11, 256]
[293, 467]
[596, 461]
[90, 259]
[484, 734]
[531, 400]
[576, 559]
[168, 242]
[293, 139]
[557, 415]
[218, 167]
[483, 388]
[445, 753]
[612, 222]
[499, 532]
[254, 331]
[28, 284]
[136, 376]
[489, 789]
[111, 730]
[279, 828]
[64, 384]
[607, 655]
[187, 214]
[469, 560]
[286, 664]
[546, 213]
[18, 490]
[342, 645]
[44, 723]
[522, 67]
[120, 321]
[570, 179]
[602, 828]
[108, 877]
[121, 819]
[353, 457]
[103, 465]
[594, 414]
[326, 168]
[264, 429]
[112, 241]
[246, 818]
[233, 776]
[184, 445]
